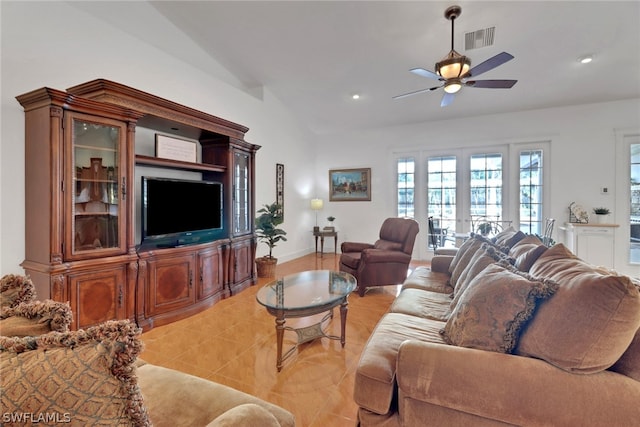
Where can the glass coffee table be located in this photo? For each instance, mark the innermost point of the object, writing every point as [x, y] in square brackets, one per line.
[306, 294]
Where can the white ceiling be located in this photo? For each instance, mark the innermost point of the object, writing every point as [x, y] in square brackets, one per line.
[314, 55]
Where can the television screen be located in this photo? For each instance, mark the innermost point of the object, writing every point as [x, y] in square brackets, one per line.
[177, 211]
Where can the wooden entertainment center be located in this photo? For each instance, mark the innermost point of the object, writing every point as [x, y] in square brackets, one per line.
[85, 150]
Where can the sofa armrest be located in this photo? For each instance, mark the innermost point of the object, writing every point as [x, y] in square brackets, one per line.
[512, 389]
[176, 398]
[354, 246]
[373, 256]
[441, 263]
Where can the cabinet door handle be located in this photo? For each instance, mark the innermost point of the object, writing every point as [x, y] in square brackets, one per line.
[201, 275]
[124, 187]
[190, 279]
[120, 296]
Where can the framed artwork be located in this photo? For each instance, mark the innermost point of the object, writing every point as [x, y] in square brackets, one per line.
[280, 187]
[350, 185]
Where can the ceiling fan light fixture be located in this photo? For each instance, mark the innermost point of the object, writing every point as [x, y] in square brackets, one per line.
[453, 66]
[453, 86]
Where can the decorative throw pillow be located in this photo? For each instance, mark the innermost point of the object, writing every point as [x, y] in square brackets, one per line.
[591, 320]
[526, 252]
[508, 237]
[484, 257]
[462, 259]
[494, 308]
[35, 318]
[86, 377]
[15, 289]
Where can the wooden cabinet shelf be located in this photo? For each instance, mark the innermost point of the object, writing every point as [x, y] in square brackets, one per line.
[176, 164]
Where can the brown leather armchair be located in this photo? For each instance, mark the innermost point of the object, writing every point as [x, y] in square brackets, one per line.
[386, 261]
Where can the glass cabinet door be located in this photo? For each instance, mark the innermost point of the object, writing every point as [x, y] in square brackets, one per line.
[96, 201]
[241, 205]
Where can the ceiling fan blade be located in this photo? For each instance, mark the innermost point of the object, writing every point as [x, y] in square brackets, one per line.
[491, 84]
[415, 92]
[447, 99]
[426, 73]
[489, 64]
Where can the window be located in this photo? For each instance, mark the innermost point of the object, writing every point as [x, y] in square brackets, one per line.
[531, 191]
[462, 188]
[634, 202]
[441, 191]
[486, 185]
[405, 183]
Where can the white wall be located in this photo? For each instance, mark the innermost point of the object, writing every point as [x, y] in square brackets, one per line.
[56, 45]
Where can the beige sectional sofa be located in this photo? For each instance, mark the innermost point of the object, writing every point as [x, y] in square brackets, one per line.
[50, 375]
[505, 332]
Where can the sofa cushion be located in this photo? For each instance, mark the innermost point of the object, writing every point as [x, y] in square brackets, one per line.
[247, 414]
[629, 362]
[497, 303]
[526, 252]
[508, 237]
[428, 280]
[15, 289]
[464, 255]
[589, 322]
[87, 375]
[195, 401]
[35, 318]
[421, 303]
[375, 375]
[487, 254]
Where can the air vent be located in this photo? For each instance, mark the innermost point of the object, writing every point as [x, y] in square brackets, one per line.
[479, 38]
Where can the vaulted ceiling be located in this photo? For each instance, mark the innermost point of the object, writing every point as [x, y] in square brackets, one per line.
[315, 55]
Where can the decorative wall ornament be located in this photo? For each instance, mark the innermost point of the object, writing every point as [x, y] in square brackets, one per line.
[280, 187]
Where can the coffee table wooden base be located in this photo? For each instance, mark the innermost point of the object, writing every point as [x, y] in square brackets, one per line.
[307, 333]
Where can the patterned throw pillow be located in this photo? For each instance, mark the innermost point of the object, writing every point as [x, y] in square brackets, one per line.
[86, 377]
[494, 308]
[591, 320]
[15, 289]
[35, 318]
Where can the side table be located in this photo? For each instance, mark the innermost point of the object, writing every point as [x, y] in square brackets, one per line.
[325, 233]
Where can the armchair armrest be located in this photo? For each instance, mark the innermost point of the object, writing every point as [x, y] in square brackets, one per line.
[354, 246]
[372, 256]
[512, 389]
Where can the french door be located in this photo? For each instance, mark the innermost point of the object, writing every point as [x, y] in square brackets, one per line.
[481, 189]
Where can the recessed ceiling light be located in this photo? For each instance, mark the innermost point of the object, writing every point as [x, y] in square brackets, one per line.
[355, 96]
[585, 59]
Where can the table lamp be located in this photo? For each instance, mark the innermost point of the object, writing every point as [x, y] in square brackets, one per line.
[316, 205]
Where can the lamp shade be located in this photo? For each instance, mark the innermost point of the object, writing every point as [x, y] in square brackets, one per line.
[316, 204]
[453, 65]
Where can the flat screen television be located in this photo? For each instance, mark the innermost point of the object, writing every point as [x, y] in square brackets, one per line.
[177, 212]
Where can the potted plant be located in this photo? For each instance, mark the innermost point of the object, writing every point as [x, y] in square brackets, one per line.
[601, 214]
[270, 217]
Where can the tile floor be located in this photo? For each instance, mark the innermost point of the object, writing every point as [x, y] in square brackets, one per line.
[234, 343]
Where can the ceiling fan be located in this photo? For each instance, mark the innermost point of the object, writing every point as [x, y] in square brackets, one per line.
[454, 69]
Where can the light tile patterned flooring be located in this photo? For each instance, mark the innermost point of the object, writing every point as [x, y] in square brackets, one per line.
[234, 343]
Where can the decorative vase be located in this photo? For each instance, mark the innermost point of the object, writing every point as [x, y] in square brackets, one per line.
[266, 267]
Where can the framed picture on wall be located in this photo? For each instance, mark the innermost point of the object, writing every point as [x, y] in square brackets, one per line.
[280, 187]
[350, 185]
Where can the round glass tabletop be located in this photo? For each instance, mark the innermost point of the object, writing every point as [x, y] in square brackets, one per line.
[306, 290]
